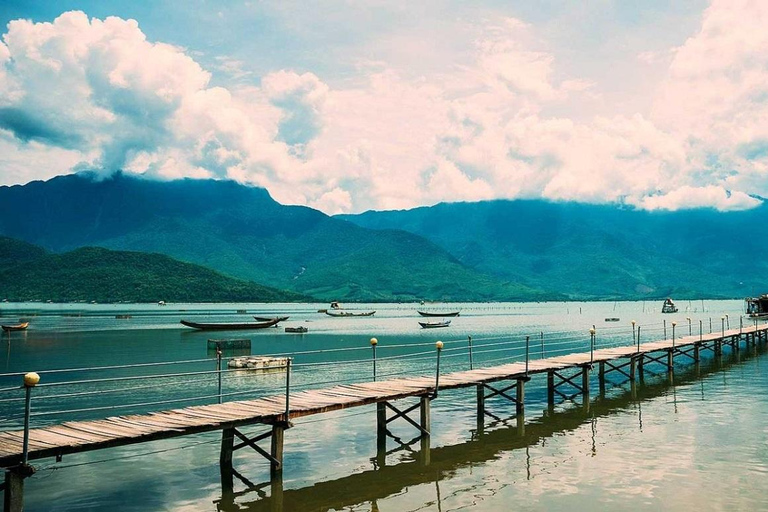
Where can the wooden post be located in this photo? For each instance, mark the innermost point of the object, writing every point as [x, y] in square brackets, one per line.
[480, 408]
[14, 491]
[278, 434]
[520, 405]
[601, 377]
[632, 363]
[585, 381]
[670, 360]
[276, 496]
[426, 425]
[381, 427]
[227, 443]
[551, 388]
[641, 366]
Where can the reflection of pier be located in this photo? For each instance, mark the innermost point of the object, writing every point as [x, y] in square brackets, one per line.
[568, 379]
[384, 481]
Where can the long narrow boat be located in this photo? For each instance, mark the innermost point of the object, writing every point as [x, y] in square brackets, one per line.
[348, 313]
[428, 313]
[230, 327]
[17, 327]
[434, 325]
[268, 318]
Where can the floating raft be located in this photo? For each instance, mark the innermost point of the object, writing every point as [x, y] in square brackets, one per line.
[258, 362]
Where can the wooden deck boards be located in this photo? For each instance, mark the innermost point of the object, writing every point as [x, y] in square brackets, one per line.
[80, 436]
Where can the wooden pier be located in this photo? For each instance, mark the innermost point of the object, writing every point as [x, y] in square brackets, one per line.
[568, 378]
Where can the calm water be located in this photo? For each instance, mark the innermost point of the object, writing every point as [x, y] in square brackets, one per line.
[698, 443]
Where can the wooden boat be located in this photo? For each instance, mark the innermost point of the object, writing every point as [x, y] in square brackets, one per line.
[299, 330]
[268, 318]
[612, 319]
[349, 313]
[258, 363]
[428, 313]
[669, 306]
[17, 327]
[230, 326]
[434, 325]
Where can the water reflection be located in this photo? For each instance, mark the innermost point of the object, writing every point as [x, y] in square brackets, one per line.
[497, 438]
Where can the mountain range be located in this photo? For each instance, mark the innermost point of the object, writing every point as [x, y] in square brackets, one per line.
[29, 272]
[597, 251]
[242, 232]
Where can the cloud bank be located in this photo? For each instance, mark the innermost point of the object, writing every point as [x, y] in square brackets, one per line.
[90, 93]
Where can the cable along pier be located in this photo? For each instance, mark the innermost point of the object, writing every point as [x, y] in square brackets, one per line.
[569, 364]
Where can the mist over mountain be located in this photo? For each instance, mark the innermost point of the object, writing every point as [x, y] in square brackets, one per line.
[242, 232]
[597, 251]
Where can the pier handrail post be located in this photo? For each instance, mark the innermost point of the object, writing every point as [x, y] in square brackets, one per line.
[722, 325]
[633, 332]
[30, 380]
[727, 321]
[218, 367]
[287, 389]
[710, 325]
[701, 330]
[374, 342]
[541, 333]
[741, 324]
[592, 332]
[471, 363]
[673, 334]
[439, 347]
[638, 338]
[690, 333]
[527, 352]
[665, 328]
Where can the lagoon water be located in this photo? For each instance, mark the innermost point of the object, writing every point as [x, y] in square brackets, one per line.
[700, 442]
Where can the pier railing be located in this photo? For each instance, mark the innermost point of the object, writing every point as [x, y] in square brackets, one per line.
[67, 394]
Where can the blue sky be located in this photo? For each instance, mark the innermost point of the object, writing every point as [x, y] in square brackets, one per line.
[353, 105]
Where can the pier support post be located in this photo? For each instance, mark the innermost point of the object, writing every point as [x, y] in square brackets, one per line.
[225, 463]
[14, 490]
[278, 435]
[632, 366]
[585, 380]
[520, 397]
[480, 409]
[601, 377]
[670, 360]
[696, 356]
[641, 367]
[425, 423]
[551, 389]
[381, 428]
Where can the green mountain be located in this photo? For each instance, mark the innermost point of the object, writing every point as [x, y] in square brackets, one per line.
[597, 251]
[28, 272]
[242, 232]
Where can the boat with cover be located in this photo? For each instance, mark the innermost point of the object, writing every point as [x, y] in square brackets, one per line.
[268, 318]
[349, 313]
[17, 327]
[229, 326]
[428, 313]
[757, 307]
[434, 325]
[299, 330]
[669, 306]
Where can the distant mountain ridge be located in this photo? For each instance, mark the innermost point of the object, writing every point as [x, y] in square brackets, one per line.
[242, 232]
[28, 272]
[598, 251]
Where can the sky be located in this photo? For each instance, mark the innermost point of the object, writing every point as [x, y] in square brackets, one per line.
[352, 105]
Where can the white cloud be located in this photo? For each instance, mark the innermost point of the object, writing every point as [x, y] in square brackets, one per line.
[494, 125]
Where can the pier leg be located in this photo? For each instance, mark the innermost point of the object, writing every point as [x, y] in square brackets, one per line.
[14, 491]
[480, 409]
[585, 385]
[551, 389]
[520, 405]
[632, 366]
[225, 463]
[520, 418]
[381, 429]
[641, 367]
[426, 425]
[278, 434]
[601, 378]
[696, 356]
[670, 360]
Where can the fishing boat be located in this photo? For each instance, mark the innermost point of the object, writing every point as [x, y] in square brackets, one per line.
[612, 319]
[349, 313]
[268, 318]
[669, 306]
[428, 313]
[757, 307]
[17, 327]
[230, 326]
[298, 330]
[434, 325]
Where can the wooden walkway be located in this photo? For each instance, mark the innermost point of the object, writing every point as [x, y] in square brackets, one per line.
[82, 436]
